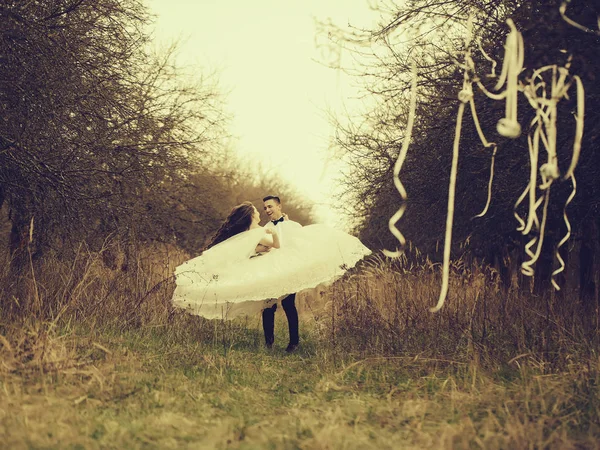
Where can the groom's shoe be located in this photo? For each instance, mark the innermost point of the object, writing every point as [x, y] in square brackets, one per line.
[291, 348]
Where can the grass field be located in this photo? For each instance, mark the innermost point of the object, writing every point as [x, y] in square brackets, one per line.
[374, 370]
[151, 389]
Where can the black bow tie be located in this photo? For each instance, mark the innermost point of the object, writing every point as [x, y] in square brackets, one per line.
[275, 222]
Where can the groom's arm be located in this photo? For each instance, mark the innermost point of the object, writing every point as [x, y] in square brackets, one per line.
[287, 219]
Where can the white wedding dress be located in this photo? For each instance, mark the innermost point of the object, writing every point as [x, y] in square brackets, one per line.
[230, 279]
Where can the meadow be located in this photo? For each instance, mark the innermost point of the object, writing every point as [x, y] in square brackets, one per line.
[96, 358]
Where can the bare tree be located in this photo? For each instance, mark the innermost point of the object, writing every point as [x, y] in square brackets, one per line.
[430, 35]
[92, 123]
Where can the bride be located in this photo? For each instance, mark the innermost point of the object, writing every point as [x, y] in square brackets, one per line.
[246, 268]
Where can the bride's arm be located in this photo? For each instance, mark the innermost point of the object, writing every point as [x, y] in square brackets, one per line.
[270, 239]
[275, 237]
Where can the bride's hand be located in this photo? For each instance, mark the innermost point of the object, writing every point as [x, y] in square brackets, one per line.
[274, 237]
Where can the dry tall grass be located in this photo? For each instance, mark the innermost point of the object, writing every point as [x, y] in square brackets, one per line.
[383, 310]
[493, 369]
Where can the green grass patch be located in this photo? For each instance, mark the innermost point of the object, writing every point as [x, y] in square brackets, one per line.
[154, 388]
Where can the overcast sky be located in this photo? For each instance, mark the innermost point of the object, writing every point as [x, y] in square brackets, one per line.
[264, 52]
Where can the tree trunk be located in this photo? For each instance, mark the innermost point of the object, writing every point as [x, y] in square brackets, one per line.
[18, 242]
[544, 266]
[587, 263]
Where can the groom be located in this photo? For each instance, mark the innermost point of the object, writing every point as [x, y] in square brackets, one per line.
[272, 206]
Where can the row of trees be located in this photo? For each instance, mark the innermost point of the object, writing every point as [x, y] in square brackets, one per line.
[431, 34]
[197, 206]
[91, 121]
[99, 136]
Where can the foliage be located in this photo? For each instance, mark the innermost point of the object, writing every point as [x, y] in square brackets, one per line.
[100, 140]
[92, 122]
[431, 34]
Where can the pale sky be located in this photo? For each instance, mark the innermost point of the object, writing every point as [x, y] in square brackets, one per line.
[264, 53]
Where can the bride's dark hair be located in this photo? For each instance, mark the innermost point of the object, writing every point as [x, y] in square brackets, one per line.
[238, 220]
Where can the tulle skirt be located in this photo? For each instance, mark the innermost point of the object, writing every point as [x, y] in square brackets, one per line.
[230, 280]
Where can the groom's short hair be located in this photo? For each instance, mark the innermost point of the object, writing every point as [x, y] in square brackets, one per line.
[272, 197]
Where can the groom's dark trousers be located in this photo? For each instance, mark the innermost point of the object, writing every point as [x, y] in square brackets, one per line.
[268, 316]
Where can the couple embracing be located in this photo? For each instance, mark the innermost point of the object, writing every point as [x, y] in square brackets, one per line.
[247, 269]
